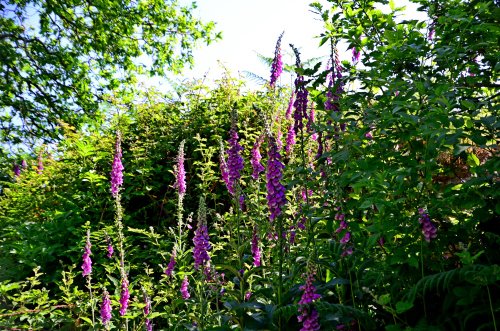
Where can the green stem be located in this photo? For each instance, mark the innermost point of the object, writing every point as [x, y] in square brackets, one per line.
[491, 308]
[89, 285]
[422, 269]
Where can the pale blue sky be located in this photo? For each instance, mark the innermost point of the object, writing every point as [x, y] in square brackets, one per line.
[253, 26]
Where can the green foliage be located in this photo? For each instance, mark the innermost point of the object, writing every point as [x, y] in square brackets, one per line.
[420, 143]
[62, 59]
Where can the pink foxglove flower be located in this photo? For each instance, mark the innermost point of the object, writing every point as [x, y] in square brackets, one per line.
[255, 161]
[105, 308]
[184, 288]
[201, 244]
[40, 164]
[276, 198]
[309, 316]
[117, 167]
[17, 170]
[124, 297]
[171, 265]
[147, 310]
[87, 262]
[255, 248]
[277, 65]
[234, 160]
[429, 230]
[180, 173]
[290, 140]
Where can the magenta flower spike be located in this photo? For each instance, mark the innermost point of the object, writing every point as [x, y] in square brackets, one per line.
[124, 297]
[255, 161]
[110, 251]
[171, 265]
[201, 246]
[355, 55]
[117, 167]
[16, 169]
[105, 308]
[309, 316]
[301, 95]
[180, 173]
[224, 169]
[234, 160]
[40, 164]
[24, 164]
[276, 198]
[184, 288]
[277, 65]
[288, 114]
[87, 262]
[290, 140]
[429, 230]
[255, 249]
[147, 310]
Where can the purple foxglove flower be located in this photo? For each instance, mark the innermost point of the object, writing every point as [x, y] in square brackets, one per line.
[381, 241]
[117, 168]
[342, 226]
[292, 234]
[201, 240]
[431, 32]
[225, 171]
[184, 288]
[241, 201]
[290, 140]
[87, 262]
[429, 230]
[255, 161]
[105, 308]
[277, 65]
[300, 104]
[369, 135]
[248, 294]
[346, 238]
[288, 114]
[279, 139]
[17, 170]
[310, 320]
[180, 173]
[171, 265]
[147, 310]
[339, 216]
[346, 251]
[319, 153]
[301, 224]
[355, 55]
[124, 297]
[301, 94]
[110, 251]
[24, 164]
[276, 198]
[309, 316]
[255, 248]
[201, 246]
[234, 160]
[309, 289]
[310, 119]
[40, 164]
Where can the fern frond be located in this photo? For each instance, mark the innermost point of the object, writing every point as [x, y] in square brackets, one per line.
[286, 312]
[255, 78]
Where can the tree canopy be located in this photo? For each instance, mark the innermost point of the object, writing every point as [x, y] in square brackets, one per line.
[61, 58]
